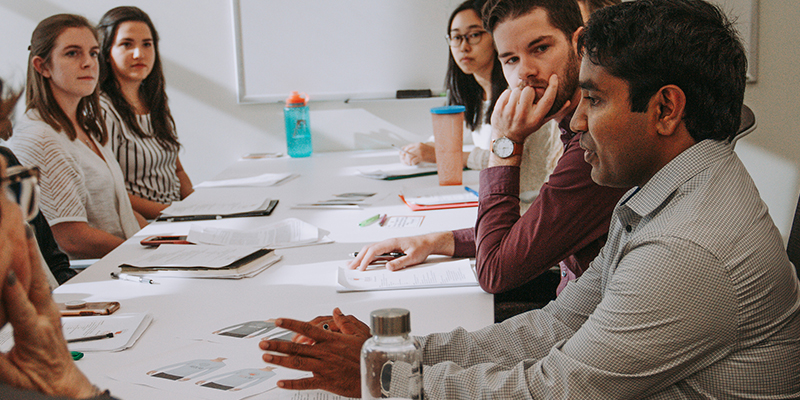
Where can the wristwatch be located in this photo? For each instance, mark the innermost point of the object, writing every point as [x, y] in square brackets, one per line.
[504, 147]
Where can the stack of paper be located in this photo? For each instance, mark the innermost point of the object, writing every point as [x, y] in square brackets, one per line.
[397, 171]
[290, 232]
[202, 261]
[127, 328]
[352, 200]
[260, 180]
[431, 275]
[440, 197]
[216, 203]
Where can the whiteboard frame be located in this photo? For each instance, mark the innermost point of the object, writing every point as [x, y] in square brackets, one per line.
[749, 37]
[752, 43]
[247, 95]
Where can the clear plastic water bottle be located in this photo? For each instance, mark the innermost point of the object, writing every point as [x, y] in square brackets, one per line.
[298, 130]
[391, 352]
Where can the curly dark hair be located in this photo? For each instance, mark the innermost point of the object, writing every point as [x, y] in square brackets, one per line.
[687, 43]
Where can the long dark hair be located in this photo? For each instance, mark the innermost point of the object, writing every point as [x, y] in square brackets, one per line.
[152, 90]
[39, 94]
[463, 89]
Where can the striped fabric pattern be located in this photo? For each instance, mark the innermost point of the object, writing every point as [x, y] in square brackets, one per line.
[149, 169]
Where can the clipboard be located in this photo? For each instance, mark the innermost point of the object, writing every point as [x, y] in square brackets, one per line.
[256, 213]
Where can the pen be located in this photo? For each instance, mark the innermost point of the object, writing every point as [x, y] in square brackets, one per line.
[191, 218]
[383, 219]
[471, 190]
[90, 338]
[393, 254]
[132, 278]
[369, 221]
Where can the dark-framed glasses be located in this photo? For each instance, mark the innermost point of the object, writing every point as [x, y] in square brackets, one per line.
[21, 185]
[472, 38]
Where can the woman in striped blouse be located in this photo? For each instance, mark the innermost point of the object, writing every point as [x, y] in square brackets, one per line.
[140, 127]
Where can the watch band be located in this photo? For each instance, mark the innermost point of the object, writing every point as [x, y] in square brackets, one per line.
[516, 147]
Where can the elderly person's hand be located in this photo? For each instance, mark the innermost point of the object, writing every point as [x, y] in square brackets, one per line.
[334, 358]
[39, 359]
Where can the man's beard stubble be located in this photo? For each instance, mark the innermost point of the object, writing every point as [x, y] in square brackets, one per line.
[567, 84]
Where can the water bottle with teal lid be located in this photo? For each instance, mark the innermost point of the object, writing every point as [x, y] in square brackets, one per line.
[298, 131]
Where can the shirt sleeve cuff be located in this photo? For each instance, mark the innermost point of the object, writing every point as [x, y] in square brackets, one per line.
[464, 245]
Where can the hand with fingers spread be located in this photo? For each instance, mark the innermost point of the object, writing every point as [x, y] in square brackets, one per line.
[518, 112]
[334, 358]
[415, 153]
[416, 249]
[327, 322]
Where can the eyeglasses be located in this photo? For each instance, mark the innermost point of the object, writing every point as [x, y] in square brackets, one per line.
[473, 38]
[22, 186]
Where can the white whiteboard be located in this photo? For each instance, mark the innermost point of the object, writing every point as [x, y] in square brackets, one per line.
[339, 49]
[365, 49]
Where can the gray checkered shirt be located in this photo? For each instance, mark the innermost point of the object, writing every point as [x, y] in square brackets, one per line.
[693, 296]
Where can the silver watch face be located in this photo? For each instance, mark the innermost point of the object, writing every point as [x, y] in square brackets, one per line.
[503, 147]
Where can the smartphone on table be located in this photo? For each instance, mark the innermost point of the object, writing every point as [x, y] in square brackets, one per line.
[82, 308]
[157, 240]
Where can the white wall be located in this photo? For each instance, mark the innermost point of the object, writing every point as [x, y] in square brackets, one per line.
[198, 54]
[775, 99]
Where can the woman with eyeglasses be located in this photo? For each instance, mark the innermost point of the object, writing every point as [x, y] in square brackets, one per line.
[134, 102]
[475, 80]
[62, 133]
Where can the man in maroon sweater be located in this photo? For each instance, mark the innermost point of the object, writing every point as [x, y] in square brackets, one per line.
[567, 223]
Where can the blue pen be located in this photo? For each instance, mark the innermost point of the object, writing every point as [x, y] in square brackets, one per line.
[471, 190]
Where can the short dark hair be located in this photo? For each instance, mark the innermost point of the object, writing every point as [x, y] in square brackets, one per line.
[594, 5]
[562, 14]
[687, 43]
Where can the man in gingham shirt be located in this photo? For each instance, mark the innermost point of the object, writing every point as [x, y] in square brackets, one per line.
[693, 295]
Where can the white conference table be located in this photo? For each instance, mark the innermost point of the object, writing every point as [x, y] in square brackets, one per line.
[301, 286]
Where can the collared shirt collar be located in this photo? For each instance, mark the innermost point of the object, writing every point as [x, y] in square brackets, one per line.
[643, 201]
